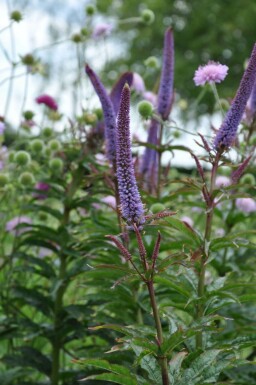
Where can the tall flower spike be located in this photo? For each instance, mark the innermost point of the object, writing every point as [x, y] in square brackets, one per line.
[165, 93]
[148, 155]
[108, 112]
[227, 132]
[115, 94]
[130, 200]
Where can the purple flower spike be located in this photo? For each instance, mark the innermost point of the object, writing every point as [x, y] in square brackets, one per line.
[108, 112]
[149, 154]
[131, 205]
[115, 94]
[227, 132]
[47, 101]
[165, 93]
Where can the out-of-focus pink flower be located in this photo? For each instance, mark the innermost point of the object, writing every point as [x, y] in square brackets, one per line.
[47, 101]
[2, 128]
[138, 83]
[110, 201]
[101, 159]
[13, 223]
[188, 220]
[150, 97]
[102, 30]
[222, 181]
[42, 188]
[210, 73]
[247, 205]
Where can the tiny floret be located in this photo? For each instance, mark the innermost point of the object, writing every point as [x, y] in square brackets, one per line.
[210, 73]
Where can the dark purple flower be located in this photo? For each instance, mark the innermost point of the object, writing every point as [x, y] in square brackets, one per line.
[108, 112]
[131, 205]
[47, 101]
[42, 189]
[115, 94]
[149, 154]
[165, 93]
[227, 132]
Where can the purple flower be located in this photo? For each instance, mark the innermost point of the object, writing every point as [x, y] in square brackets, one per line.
[47, 101]
[138, 83]
[2, 127]
[108, 112]
[110, 200]
[165, 93]
[42, 189]
[222, 181]
[210, 73]
[116, 91]
[149, 154]
[102, 30]
[131, 205]
[10, 226]
[227, 132]
[247, 205]
[250, 111]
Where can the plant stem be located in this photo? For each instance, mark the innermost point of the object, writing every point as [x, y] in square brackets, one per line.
[162, 359]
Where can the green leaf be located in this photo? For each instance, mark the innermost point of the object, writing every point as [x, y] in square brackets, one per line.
[172, 285]
[103, 364]
[175, 367]
[186, 231]
[117, 379]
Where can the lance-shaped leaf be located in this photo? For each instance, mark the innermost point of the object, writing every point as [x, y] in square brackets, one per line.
[108, 112]
[227, 132]
[236, 175]
[115, 94]
[131, 204]
[165, 93]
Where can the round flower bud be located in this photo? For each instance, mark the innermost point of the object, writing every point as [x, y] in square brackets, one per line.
[157, 207]
[76, 38]
[47, 132]
[248, 179]
[99, 113]
[47, 152]
[176, 134]
[151, 62]
[56, 164]
[54, 145]
[90, 118]
[147, 16]
[145, 109]
[3, 180]
[84, 32]
[90, 10]
[16, 16]
[28, 115]
[37, 145]
[28, 60]
[26, 179]
[22, 158]
[11, 156]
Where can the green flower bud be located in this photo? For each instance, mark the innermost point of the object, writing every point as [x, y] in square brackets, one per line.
[90, 118]
[16, 16]
[28, 60]
[47, 152]
[76, 38]
[26, 179]
[176, 134]
[84, 32]
[99, 113]
[22, 158]
[56, 164]
[37, 145]
[147, 16]
[248, 179]
[4, 179]
[151, 62]
[145, 109]
[28, 115]
[11, 156]
[90, 10]
[47, 132]
[156, 207]
[54, 145]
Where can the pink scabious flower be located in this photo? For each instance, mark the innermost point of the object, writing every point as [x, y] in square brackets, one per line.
[222, 181]
[102, 30]
[138, 83]
[150, 97]
[210, 73]
[47, 101]
[247, 205]
[10, 226]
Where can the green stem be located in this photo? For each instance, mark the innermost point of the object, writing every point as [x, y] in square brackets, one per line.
[216, 95]
[161, 358]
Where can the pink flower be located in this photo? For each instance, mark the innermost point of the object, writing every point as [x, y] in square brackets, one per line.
[150, 97]
[222, 181]
[42, 189]
[110, 201]
[138, 83]
[10, 226]
[247, 205]
[102, 30]
[210, 73]
[47, 101]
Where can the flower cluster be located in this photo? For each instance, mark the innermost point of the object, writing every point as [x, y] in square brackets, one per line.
[210, 73]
